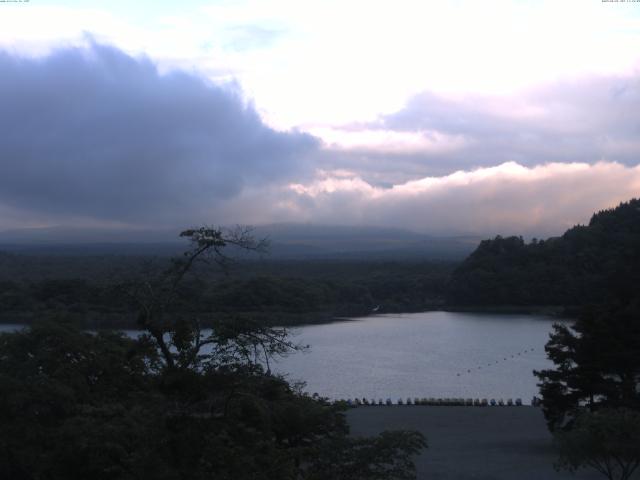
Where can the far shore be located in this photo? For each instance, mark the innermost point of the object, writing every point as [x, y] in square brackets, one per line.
[127, 321]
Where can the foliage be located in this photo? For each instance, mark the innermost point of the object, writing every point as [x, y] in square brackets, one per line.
[367, 459]
[175, 402]
[597, 364]
[279, 292]
[607, 440]
[588, 264]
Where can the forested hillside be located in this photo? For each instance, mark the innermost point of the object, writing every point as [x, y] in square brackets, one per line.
[588, 264]
[93, 288]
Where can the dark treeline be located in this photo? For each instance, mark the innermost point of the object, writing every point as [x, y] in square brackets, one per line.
[82, 405]
[588, 264]
[278, 292]
[176, 402]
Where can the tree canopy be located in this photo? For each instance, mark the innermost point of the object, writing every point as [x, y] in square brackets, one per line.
[175, 402]
[607, 440]
[597, 364]
[587, 264]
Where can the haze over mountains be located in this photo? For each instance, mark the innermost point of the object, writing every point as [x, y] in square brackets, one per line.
[287, 241]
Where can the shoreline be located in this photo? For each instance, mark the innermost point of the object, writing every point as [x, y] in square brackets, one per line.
[126, 320]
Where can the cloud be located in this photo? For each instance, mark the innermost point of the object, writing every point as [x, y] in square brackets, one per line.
[94, 133]
[93, 136]
[250, 37]
[505, 199]
[589, 120]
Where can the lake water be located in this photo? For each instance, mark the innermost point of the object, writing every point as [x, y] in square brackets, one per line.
[430, 354]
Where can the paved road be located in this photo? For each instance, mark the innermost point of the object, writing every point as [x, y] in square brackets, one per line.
[490, 443]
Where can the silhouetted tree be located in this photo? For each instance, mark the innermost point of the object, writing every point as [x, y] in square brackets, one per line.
[607, 441]
[587, 264]
[597, 364]
[174, 403]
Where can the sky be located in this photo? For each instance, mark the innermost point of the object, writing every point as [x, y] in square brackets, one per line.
[449, 117]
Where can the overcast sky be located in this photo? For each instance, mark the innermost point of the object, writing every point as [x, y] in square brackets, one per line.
[442, 117]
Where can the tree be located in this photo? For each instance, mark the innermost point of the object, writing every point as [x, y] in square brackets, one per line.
[174, 403]
[607, 440]
[597, 364]
[591, 400]
[178, 337]
[387, 456]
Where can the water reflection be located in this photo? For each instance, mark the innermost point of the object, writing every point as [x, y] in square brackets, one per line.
[431, 354]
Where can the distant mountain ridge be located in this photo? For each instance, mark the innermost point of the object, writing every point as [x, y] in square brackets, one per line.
[288, 241]
[291, 240]
[61, 235]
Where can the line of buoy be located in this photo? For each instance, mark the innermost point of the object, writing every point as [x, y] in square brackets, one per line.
[453, 402]
[497, 361]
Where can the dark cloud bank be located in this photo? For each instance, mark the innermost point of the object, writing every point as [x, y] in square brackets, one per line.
[95, 133]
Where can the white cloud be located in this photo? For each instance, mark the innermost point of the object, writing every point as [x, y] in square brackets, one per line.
[388, 141]
[506, 199]
[337, 62]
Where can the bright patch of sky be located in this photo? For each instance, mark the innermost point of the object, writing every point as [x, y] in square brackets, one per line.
[314, 65]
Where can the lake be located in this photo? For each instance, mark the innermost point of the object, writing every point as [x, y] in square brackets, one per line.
[430, 354]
